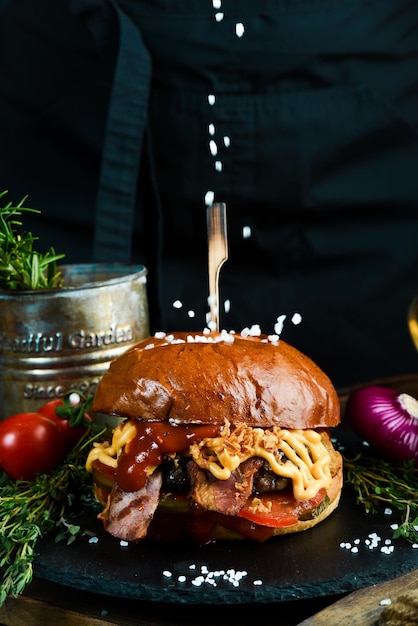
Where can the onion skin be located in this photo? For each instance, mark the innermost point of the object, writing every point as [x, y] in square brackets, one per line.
[387, 420]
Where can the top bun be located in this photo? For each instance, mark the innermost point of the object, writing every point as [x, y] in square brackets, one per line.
[207, 378]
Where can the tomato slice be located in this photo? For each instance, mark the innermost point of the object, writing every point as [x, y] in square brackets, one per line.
[279, 509]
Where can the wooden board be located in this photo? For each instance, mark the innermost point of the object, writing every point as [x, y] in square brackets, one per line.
[363, 607]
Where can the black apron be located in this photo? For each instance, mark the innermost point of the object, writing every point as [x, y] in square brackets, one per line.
[302, 116]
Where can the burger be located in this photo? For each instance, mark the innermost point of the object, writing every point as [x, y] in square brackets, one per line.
[218, 436]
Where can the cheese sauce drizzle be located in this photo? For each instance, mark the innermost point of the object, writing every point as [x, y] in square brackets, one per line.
[108, 453]
[307, 461]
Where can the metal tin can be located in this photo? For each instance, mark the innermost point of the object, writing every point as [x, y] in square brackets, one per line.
[53, 341]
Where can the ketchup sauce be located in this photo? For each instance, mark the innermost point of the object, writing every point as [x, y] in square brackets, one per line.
[152, 442]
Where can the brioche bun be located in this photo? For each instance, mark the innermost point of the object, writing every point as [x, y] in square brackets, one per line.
[196, 378]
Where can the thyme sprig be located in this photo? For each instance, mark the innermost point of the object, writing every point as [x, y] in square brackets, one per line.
[21, 266]
[377, 483]
[30, 510]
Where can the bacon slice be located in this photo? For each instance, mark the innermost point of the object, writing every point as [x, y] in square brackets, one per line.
[224, 496]
[128, 514]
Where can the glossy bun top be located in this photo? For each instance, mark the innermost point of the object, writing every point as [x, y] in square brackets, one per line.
[207, 378]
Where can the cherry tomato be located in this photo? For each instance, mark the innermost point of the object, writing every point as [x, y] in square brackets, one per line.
[30, 444]
[72, 435]
[280, 509]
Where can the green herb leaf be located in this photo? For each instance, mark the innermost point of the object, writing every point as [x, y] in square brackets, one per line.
[378, 483]
[22, 267]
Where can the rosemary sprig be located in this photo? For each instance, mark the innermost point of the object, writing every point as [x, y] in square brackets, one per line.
[378, 483]
[21, 266]
[30, 510]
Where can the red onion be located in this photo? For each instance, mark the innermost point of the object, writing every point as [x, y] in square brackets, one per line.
[387, 420]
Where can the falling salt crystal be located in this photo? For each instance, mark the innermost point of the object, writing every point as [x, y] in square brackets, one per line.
[227, 141]
[209, 197]
[177, 304]
[227, 306]
[257, 582]
[74, 398]
[385, 602]
[239, 29]
[296, 319]
[388, 511]
[123, 543]
[211, 99]
[191, 313]
[167, 574]
[219, 17]
[181, 579]
[213, 147]
[278, 327]
[246, 232]
[218, 166]
[93, 540]
[211, 129]
[216, 4]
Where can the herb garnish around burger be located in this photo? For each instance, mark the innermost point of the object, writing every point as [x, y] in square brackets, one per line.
[21, 266]
[378, 483]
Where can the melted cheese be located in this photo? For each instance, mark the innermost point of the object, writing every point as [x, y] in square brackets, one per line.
[109, 452]
[304, 459]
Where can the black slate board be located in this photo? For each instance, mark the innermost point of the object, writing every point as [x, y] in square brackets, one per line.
[306, 565]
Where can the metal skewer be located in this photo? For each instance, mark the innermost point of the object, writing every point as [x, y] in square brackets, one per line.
[218, 254]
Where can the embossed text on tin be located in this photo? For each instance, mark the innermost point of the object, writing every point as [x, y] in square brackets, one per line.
[40, 343]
